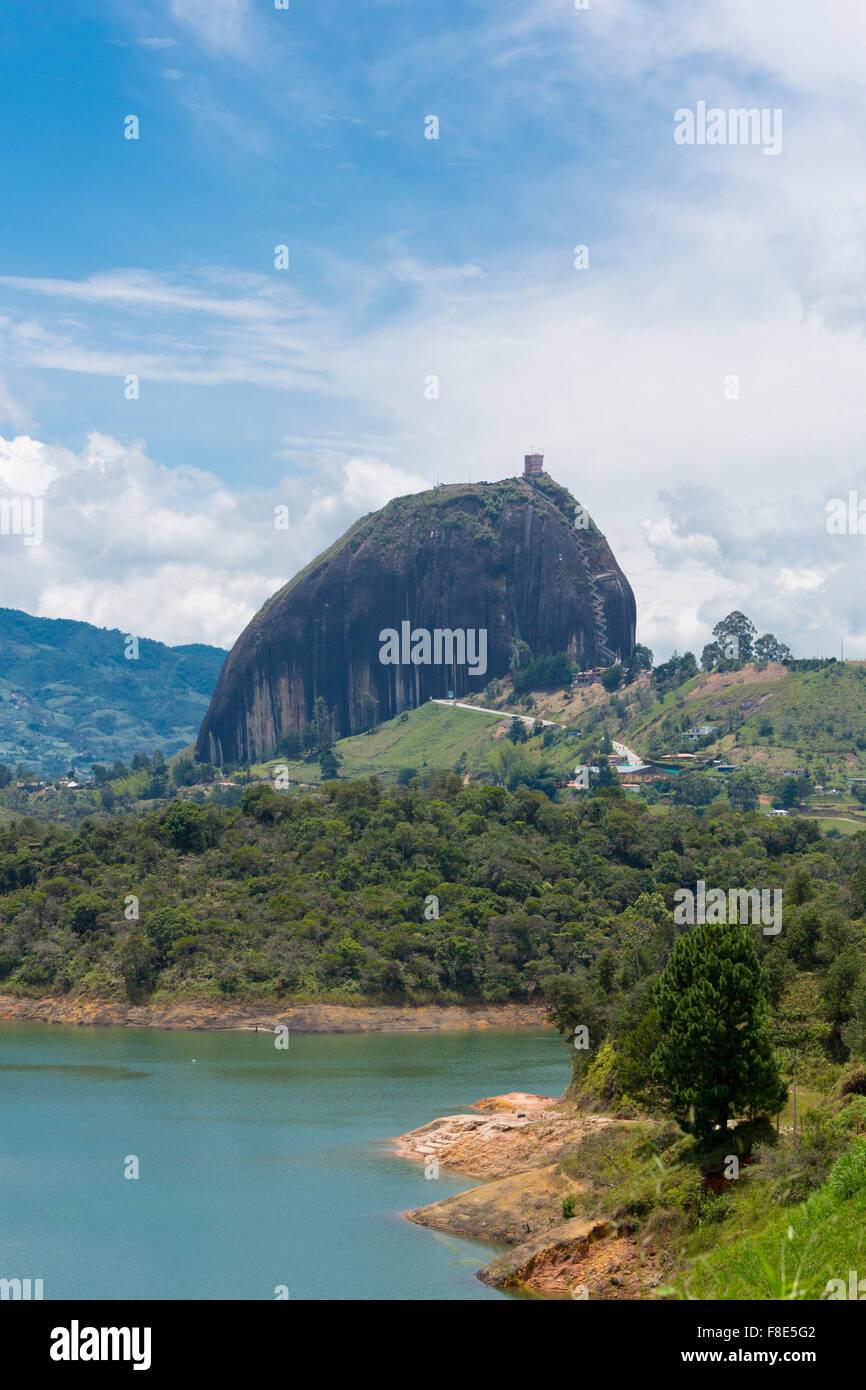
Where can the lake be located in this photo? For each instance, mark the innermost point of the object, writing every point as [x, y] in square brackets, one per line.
[258, 1167]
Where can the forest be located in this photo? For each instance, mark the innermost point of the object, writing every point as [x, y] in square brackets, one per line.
[432, 892]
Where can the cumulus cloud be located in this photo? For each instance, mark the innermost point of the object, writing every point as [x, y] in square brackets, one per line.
[777, 562]
[168, 553]
[696, 387]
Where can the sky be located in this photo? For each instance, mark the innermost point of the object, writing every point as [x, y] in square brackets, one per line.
[695, 376]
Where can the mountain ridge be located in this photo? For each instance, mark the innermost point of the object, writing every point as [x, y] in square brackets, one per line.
[69, 695]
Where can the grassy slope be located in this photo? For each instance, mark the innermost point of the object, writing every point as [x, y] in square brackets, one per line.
[789, 1253]
[431, 737]
[816, 716]
[816, 719]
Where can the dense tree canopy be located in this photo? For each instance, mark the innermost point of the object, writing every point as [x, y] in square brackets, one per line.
[715, 1051]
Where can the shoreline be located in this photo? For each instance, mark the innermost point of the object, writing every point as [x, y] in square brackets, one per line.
[521, 1150]
[298, 1018]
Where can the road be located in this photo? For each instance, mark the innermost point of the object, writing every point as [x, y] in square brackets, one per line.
[502, 714]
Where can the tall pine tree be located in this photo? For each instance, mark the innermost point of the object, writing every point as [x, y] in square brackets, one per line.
[715, 1058]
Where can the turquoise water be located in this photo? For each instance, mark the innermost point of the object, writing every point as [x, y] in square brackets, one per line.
[258, 1167]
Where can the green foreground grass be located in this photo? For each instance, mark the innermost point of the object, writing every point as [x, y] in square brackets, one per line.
[795, 1253]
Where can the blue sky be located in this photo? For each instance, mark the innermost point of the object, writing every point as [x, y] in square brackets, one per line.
[279, 127]
[413, 257]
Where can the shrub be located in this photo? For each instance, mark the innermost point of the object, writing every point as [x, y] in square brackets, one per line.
[848, 1175]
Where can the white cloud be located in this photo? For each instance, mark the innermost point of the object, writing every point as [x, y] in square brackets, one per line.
[371, 483]
[221, 25]
[800, 581]
[25, 467]
[709, 264]
[169, 553]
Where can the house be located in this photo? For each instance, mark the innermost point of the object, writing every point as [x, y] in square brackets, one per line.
[638, 772]
[588, 677]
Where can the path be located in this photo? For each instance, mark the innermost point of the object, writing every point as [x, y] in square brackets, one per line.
[503, 714]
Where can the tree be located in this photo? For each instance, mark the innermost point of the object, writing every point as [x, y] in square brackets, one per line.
[517, 730]
[291, 744]
[183, 826]
[165, 926]
[640, 660]
[735, 634]
[769, 648]
[789, 797]
[86, 913]
[138, 959]
[159, 776]
[322, 724]
[694, 789]
[521, 656]
[514, 767]
[185, 772]
[711, 656]
[715, 1058]
[573, 1002]
[329, 764]
[612, 678]
[369, 708]
[606, 776]
[743, 792]
[674, 672]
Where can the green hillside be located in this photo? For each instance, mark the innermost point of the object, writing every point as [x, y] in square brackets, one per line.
[769, 721]
[69, 695]
[771, 717]
[431, 738]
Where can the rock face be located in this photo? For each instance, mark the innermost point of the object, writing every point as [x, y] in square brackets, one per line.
[505, 559]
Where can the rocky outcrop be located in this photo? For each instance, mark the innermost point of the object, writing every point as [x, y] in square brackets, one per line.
[503, 558]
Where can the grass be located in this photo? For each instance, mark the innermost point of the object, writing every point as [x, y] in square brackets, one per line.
[796, 1253]
[816, 718]
[430, 737]
[840, 823]
[807, 1098]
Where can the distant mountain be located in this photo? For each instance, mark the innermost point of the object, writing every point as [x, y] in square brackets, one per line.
[69, 695]
[507, 563]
